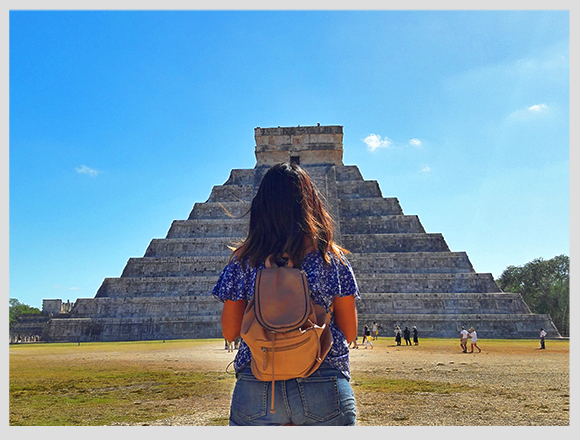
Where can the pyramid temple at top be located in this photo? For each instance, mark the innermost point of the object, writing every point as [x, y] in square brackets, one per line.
[406, 276]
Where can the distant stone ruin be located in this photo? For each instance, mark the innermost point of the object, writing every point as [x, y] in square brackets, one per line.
[406, 276]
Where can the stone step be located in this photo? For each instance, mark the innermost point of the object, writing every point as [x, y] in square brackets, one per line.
[411, 262]
[369, 207]
[358, 189]
[448, 325]
[241, 177]
[427, 283]
[441, 303]
[147, 307]
[208, 228]
[219, 210]
[162, 286]
[378, 243]
[190, 247]
[231, 193]
[174, 266]
[394, 263]
[386, 224]
[348, 172]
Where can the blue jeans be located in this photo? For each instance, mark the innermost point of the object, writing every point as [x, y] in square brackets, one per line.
[323, 398]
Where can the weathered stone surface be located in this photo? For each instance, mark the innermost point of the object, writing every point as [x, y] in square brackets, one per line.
[406, 276]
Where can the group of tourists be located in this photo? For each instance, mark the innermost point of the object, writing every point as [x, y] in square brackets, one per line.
[464, 335]
[373, 332]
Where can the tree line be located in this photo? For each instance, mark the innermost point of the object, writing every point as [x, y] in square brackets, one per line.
[544, 286]
[17, 308]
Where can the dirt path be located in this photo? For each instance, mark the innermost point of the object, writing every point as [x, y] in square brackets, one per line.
[506, 384]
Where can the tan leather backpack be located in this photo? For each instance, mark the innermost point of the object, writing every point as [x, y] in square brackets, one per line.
[287, 332]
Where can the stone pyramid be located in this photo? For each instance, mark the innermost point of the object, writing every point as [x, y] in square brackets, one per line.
[406, 276]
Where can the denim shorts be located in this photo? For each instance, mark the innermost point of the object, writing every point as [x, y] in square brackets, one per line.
[323, 398]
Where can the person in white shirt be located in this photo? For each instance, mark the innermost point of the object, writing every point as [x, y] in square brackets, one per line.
[463, 339]
[473, 335]
[375, 330]
[542, 337]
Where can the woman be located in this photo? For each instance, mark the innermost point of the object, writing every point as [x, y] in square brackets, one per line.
[367, 337]
[473, 336]
[287, 215]
[415, 335]
[398, 335]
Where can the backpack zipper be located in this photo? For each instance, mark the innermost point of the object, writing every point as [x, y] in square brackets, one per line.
[287, 347]
[267, 350]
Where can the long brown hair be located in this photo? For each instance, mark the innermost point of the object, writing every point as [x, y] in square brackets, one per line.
[288, 215]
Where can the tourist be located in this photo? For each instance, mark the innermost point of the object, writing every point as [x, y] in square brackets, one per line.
[473, 336]
[398, 335]
[375, 330]
[415, 335]
[542, 339]
[463, 339]
[407, 336]
[287, 215]
[367, 337]
[354, 343]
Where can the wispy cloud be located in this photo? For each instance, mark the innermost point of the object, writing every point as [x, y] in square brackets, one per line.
[426, 169]
[528, 112]
[374, 141]
[415, 142]
[538, 107]
[83, 169]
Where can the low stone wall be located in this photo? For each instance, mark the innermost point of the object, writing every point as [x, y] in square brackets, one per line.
[131, 329]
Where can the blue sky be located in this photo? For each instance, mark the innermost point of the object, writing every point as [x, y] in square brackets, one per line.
[121, 120]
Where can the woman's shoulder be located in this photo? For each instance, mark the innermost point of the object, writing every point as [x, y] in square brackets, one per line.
[334, 259]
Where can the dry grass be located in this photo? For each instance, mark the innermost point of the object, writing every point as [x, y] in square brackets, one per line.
[184, 383]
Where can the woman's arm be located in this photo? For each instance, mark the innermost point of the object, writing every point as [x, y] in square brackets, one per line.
[231, 320]
[345, 316]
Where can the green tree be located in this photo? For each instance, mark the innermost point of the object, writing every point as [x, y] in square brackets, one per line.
[544, 286]
[17, 309]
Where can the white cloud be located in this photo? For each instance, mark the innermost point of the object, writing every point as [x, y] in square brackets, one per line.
[415, 142]
[529, 112]
[83, 169]
[374, 141]
[74, 288]
[426, 169]
[537, 108]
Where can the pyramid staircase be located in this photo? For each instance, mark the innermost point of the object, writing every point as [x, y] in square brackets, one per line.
[406, 276]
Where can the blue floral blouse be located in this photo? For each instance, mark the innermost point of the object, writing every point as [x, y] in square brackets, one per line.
[325, 283]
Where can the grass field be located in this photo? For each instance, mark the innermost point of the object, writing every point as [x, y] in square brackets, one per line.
[185, 382]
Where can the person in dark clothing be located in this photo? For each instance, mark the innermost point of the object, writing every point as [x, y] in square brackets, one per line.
[415, 335]
[407, 336]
